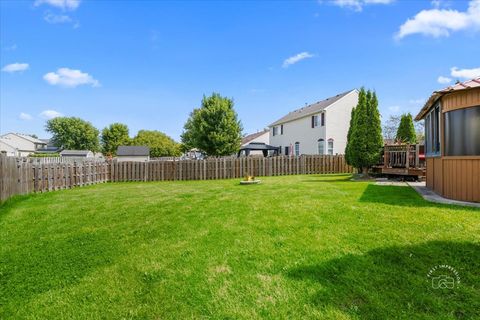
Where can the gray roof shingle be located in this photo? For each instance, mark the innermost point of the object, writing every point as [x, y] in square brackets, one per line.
[310, 109]
[133, 151]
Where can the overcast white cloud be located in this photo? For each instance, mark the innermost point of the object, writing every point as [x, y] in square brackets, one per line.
[15, 67]
[50, 114]
[443, 80]
[70, 78]
[442, 22]
[358, 5]
[56, 18]
[62, 4]
[465, 73]
[25, 116]
[296, 58]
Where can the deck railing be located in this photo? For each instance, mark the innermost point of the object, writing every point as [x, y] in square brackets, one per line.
[403, 156]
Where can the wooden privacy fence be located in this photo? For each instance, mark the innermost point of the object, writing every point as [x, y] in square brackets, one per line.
[226, 168]
[20, 176]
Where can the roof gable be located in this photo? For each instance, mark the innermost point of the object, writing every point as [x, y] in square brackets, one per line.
[311, 109]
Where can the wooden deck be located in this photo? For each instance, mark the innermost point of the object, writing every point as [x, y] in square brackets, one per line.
[402, 160]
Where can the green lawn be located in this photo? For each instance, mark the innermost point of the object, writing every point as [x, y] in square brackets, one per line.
[293, 247]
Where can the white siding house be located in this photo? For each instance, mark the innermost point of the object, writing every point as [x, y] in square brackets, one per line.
[20, 145]
[319, 128]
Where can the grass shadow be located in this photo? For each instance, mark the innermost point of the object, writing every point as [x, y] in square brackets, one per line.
[393, 282]
[401, 196]
[329, 178]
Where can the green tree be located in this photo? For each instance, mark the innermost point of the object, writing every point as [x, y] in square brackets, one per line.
[73, 133]
[366, 135]
[159, 143]
[406, 129]
[213, 128]
[113, 136]
[348, 152]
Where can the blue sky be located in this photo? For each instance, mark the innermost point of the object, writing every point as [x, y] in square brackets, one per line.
[148, 63]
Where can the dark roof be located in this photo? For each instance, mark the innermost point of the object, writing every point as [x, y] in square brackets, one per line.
[253, 136]
[466, 85]
[311, 109]
[258, 146]
[133, 151]
[77, 153]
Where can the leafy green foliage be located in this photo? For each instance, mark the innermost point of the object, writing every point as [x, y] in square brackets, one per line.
[406, 129]
[73, 133]
[114, 136]
[365, 140]
[44, 155]
[214, 127]
[330, 248]
[348, 148]
[159, 143]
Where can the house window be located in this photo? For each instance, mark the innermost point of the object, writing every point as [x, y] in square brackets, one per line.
[432, 131]
[314, 121]
[297, 148]
[330, 146]
[322, 119]
[287, 151]
[462, 132]
[321, 146]
[275, 131]
[281, 129]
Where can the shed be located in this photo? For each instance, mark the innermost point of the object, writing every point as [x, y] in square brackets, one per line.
[77, 153]
[133, 153]
[258, 146]
[452, 141]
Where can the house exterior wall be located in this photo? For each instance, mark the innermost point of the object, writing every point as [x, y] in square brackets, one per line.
[8, 149]
[337, 121]
[23, 146]
[133, 158]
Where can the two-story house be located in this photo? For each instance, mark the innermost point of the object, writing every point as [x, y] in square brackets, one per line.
[319, 128]
[20, 145]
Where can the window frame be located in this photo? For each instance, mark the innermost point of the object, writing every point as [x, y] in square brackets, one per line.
[297, 149]
[322, 142]
[433, 138]
[330, 150]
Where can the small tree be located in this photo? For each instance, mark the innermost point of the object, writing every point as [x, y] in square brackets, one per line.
[366, 133]
[73, 133]
[159, 143]
[348, 152]
[390, 127]
[214, 127]
[114, 136]
[406, 129]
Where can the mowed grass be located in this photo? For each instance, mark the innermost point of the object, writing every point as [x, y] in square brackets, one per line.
[318, 247]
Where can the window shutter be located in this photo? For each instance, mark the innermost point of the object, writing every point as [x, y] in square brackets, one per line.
[313, 123]
[281, 129]
[323, 119]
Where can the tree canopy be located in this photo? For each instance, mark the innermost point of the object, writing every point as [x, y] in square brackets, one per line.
[159, 143]
[73, 133]
[113, 136]
[406, 130]
[213, 128]
[365, 138]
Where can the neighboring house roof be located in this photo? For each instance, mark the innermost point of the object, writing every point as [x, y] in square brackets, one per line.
[49, 149]
[133, 151]
[77, 153]
[253, 136]
[311, 109]
[466, 85]
[29, 138]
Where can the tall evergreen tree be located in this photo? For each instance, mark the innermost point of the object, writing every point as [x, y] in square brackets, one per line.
[406, 129]
[366, 132]
[348, 152]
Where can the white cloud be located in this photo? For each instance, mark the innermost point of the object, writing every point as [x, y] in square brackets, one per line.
[296, 58]
[465, 73]
[15, 67]
[441, 22]
[417, 101]
[66, 77]
[50, 114]
[62, 4]
[443, 80]
[25, 116]
[358, 5]
[56, 18]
